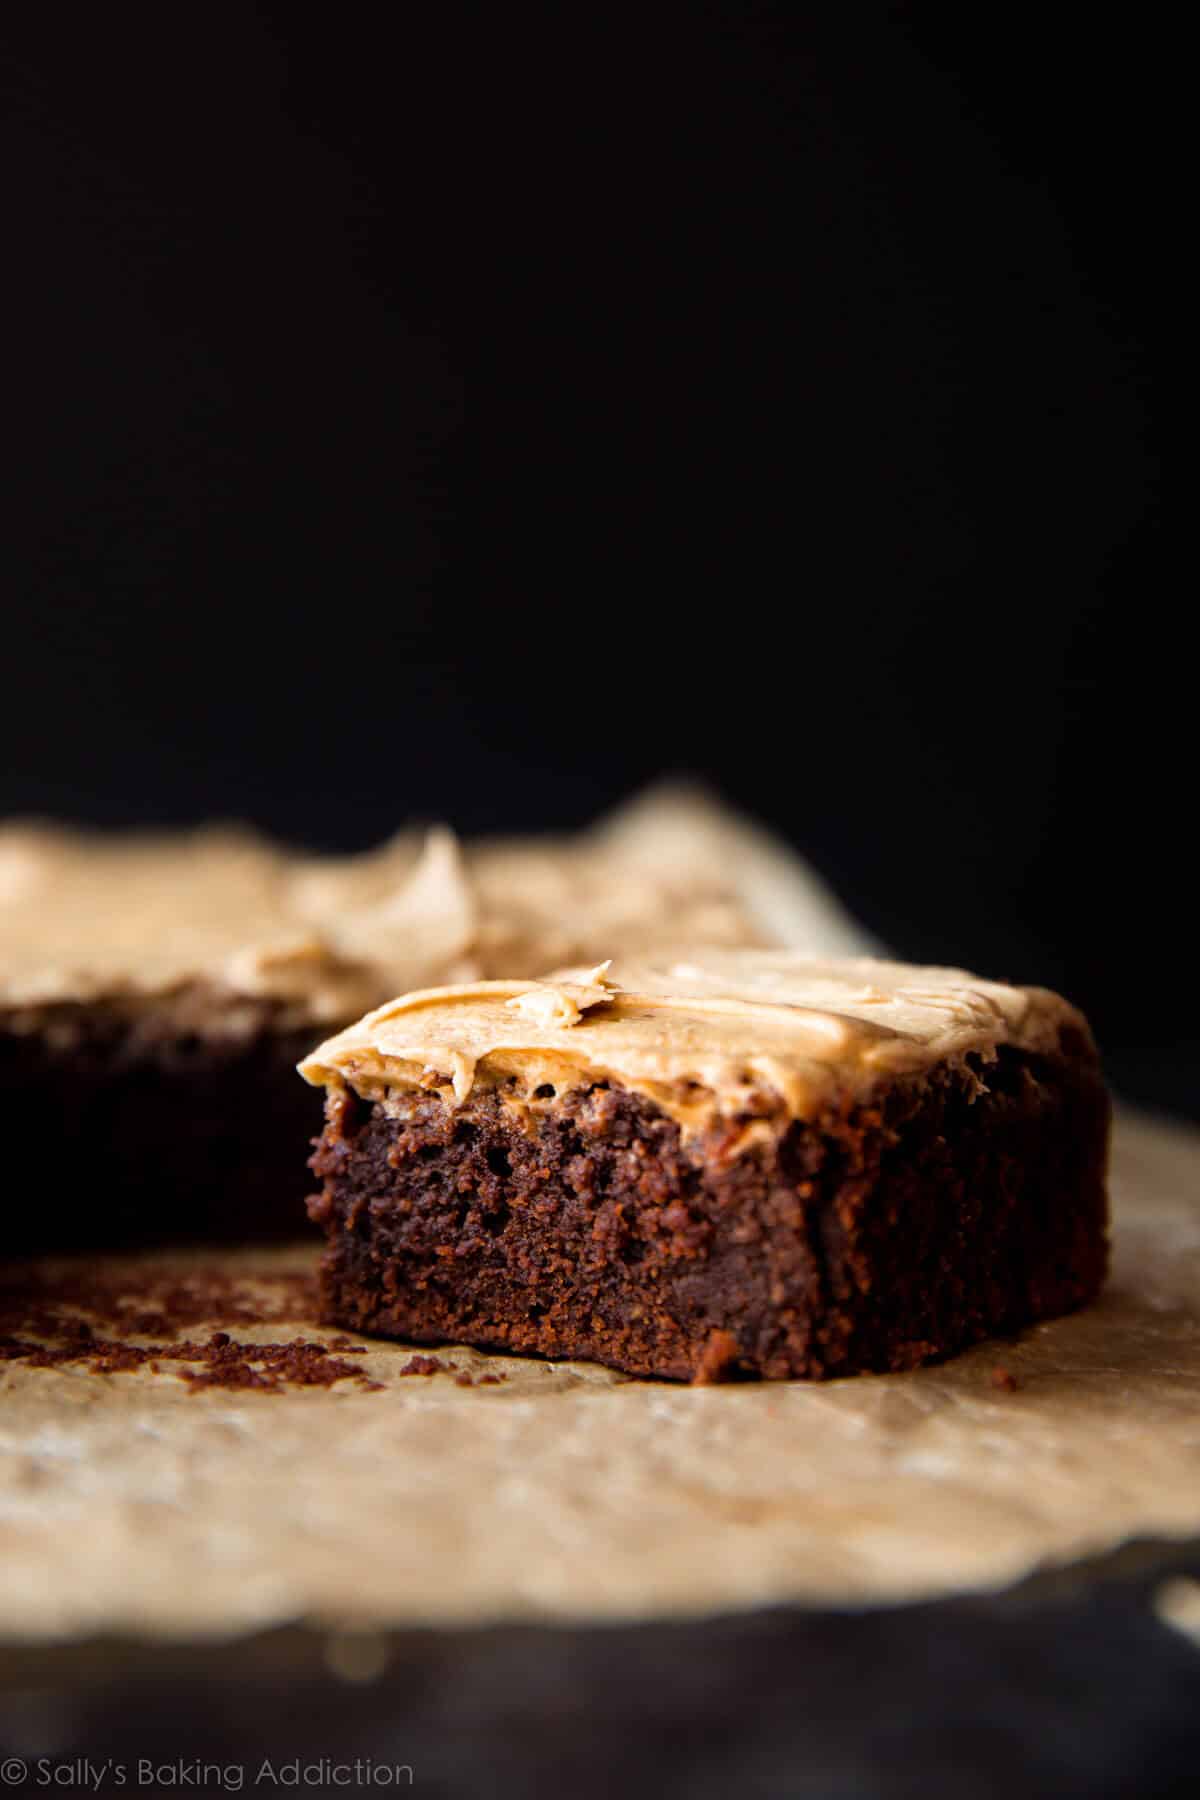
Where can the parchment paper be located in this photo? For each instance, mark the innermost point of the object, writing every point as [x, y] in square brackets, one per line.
[129, 1502]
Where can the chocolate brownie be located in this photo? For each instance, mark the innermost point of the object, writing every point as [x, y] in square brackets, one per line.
[722, 1163]
[156, 993]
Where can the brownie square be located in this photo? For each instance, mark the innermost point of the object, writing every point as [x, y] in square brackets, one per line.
[732, 1164]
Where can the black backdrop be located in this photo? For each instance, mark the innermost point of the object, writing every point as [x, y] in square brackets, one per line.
[474, 414]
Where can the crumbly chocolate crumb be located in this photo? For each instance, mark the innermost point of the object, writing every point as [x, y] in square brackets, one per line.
[40, 1325]
[426, 1365]
[270, 1367]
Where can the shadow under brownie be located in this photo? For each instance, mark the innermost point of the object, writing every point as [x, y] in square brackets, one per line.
[714, 1172]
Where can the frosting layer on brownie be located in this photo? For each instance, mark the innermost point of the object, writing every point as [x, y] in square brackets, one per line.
[221, 913]
[696, 1029]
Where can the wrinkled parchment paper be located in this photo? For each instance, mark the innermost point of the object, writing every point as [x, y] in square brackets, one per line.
[129, 1502]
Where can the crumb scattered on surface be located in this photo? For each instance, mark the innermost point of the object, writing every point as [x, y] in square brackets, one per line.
[42, 1325]
[1005, 1381]
[426, 1365]
[302, 1362]
[465, 1380]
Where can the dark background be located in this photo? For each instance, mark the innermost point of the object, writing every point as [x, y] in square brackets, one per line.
[475, 414]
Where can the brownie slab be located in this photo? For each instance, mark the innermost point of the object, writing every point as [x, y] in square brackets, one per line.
[724, 1164]
[138, 1129]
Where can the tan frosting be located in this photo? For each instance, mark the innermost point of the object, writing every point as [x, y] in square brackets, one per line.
[205, 915]
[85, 916]
[694, 1028]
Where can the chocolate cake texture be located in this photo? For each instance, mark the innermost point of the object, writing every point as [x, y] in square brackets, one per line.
[713, 1163]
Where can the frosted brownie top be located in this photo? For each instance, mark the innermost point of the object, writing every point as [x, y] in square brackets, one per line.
[212, 915]
[86, 917]
[698, 1030]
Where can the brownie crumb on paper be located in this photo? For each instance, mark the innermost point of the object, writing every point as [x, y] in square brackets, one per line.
[41, 1326]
